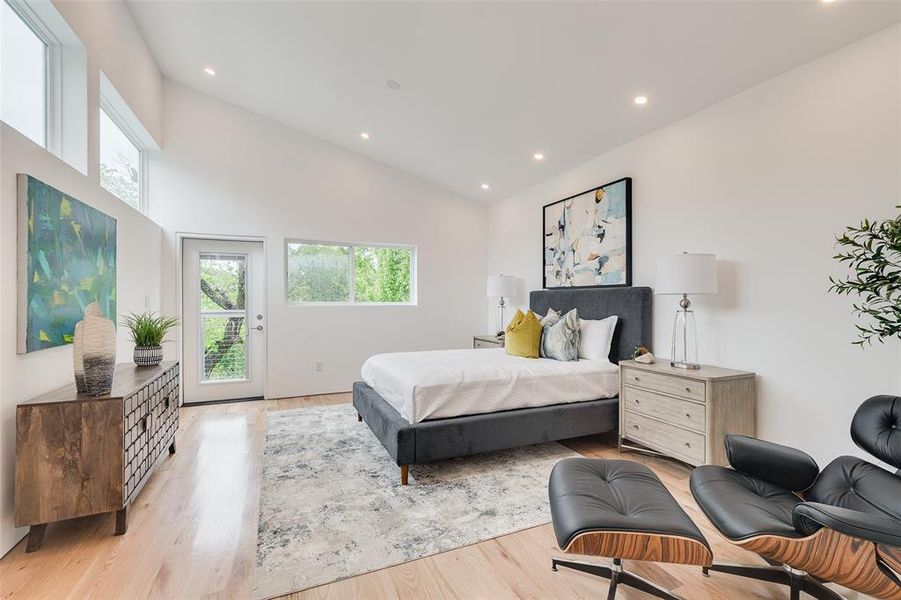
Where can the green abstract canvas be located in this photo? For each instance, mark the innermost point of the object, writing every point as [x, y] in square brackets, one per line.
[67, 259]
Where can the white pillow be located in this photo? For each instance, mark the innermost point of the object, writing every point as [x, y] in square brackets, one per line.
[596, 337]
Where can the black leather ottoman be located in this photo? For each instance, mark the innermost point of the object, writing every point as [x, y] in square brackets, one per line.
[619, 509]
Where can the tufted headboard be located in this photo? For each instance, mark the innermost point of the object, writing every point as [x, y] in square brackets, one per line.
[631, 304]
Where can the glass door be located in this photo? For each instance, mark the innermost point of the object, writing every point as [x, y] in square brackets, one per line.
[224, 332]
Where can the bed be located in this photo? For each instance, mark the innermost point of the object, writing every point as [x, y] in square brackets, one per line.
[413, 430]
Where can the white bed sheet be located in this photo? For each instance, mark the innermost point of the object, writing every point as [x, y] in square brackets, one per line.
[450, 383]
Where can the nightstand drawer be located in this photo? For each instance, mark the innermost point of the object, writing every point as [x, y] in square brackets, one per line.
[688, 445]
[481, 343]
[677, 386]
[666, 408]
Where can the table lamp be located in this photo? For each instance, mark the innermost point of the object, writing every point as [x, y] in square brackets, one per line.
[686, 274]
[501, 287]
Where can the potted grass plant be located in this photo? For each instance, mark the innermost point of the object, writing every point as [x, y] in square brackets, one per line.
[147, 332]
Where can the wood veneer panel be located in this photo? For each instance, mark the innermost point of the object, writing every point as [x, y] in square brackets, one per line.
[832, 556]
[641, 546]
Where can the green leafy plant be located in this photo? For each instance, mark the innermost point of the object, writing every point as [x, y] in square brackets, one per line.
[872, 251]
[148, 329]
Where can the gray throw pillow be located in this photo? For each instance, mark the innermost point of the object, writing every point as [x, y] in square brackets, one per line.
[560, 341]
[547, 320]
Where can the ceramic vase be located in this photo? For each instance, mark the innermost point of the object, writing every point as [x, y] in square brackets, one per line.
[94, 352]
[148, 356]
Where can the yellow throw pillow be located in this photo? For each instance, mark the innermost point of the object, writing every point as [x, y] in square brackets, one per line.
[523, 335]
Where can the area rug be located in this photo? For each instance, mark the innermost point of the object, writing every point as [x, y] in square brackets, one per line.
[332, 505]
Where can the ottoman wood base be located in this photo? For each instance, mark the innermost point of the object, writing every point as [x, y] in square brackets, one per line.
[617, 576]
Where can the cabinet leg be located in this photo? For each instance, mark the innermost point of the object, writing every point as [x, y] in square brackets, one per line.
[172, 447]
[404, 473]
[122, 520]
[359, 417]
[35, 537]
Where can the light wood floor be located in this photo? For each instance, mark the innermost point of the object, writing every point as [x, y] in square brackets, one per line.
[193, 535]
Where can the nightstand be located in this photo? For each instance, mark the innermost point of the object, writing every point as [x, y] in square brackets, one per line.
[684, 414]
[487, 341]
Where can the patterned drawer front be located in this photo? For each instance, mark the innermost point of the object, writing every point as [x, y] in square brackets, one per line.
[151, 418]
[666, 408]
[664, 437]
[677, 386]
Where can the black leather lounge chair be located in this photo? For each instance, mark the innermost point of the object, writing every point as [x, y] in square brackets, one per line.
[841, 524]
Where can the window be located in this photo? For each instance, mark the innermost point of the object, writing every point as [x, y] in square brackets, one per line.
[350, 273]
[120, 163]
[23, 103]
[223, 315]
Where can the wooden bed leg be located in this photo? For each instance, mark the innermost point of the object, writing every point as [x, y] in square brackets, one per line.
[359, 417]
[404, 473]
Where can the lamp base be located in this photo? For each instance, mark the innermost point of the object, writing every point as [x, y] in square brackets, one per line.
[682, 365]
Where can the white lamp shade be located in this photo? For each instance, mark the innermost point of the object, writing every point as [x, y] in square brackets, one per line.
[501, 286]
[686, 274]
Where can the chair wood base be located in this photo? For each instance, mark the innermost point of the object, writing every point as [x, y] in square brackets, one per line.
[798, 581]
[617, 576]
[831, 556]
[404, 474]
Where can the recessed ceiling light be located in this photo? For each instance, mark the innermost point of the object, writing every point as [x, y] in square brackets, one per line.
[486, 186]
[641, 100]
[538, 156]
[827, 1]
[393, 84]
[210, 71]
[364, 135]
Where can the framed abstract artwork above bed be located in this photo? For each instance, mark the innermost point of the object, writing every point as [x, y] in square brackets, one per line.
[588, 238]
[67, 260]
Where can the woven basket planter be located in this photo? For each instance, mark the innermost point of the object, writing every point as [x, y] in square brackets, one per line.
[148, 356]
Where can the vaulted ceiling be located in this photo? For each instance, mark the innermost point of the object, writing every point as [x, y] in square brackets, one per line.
[485, 85]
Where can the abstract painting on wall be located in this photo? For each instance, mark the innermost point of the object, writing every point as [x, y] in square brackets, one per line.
[67, 259]
[588, 237]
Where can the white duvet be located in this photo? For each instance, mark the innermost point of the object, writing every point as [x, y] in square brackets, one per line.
[450, 383]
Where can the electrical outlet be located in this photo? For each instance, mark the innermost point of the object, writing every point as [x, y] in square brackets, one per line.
[318, 366]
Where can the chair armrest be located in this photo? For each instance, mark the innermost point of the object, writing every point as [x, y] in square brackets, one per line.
[810, 517]
[781, 465]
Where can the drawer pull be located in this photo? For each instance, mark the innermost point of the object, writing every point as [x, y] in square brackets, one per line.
[687, 389]
[688, 444]
[635, 426]
[688, 415]
[637, 401]
[637, 378]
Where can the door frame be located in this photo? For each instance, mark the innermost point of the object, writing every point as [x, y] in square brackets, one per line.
[180, 237]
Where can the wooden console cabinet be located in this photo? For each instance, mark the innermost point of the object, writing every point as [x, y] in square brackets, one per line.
[79, 455]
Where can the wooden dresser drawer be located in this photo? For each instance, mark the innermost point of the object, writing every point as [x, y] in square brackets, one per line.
[666, 408]
[684, 444]
[677, 386]
[487, 343]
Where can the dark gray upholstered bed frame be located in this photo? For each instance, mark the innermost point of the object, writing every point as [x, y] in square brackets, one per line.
[439, 439]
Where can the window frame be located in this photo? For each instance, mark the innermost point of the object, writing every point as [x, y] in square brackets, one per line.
[52, 74]
[120, 113]
[414, 287]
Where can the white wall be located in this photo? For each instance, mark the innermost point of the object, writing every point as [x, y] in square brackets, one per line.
[228, 171]
[139, 239]
[764, 180]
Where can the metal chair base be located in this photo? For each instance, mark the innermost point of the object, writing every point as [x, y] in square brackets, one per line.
[797, 581]
[617, 576]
